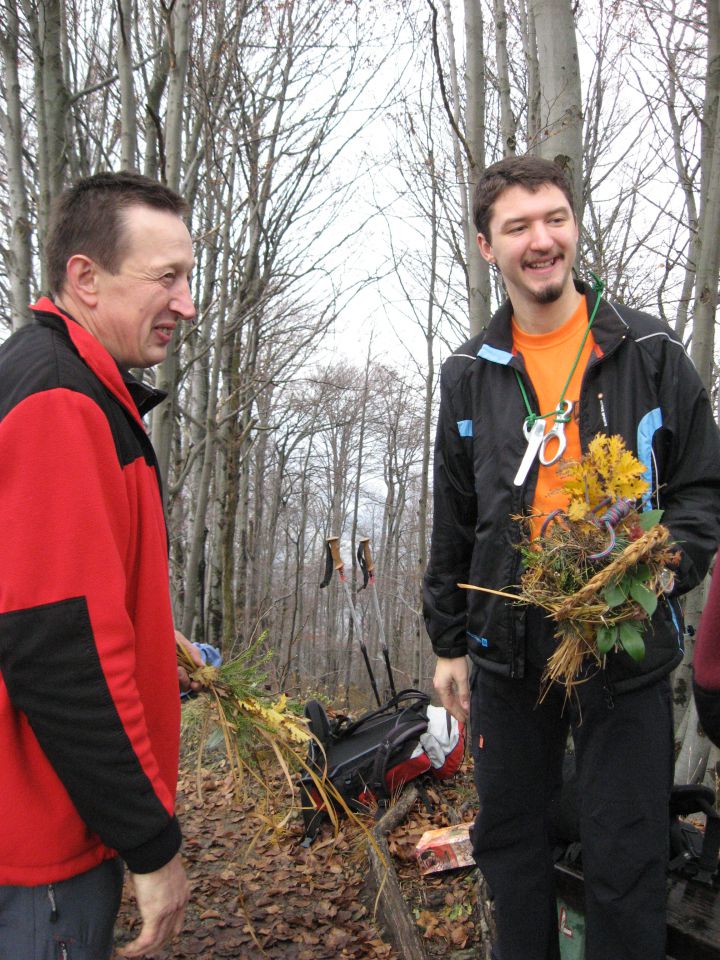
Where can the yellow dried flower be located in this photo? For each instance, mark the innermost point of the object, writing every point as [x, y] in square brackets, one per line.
[608, 471]
[277, 719]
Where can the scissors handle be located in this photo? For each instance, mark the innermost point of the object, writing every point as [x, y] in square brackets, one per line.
[556, 432]
[534, 434]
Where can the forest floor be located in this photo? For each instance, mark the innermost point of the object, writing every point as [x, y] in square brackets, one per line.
[259, 894]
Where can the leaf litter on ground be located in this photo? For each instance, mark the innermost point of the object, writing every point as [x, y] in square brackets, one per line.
[285, 902]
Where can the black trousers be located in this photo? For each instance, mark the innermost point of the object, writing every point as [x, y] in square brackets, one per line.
[624, 757]
[69, 920]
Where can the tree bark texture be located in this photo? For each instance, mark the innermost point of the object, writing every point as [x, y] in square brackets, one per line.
[708, 248]
[560, 93]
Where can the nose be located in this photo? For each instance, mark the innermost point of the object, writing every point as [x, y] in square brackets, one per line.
[182, 303]
[540, 238]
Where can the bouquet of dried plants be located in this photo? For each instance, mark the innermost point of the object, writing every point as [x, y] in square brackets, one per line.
[256, 728]
[253, 726]
[598, 567]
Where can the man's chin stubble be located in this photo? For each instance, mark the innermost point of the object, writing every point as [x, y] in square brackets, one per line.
[549, 294]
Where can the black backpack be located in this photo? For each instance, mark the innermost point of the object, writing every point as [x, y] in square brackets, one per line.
[370, 759]
[694, 853]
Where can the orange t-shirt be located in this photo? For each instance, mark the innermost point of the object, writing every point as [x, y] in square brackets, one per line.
[548, 360]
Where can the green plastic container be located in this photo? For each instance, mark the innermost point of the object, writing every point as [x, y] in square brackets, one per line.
[571, 929]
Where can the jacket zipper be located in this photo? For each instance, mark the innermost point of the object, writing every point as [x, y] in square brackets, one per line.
[521, 507]
[596, 361]
[609, 692]
[53, 903]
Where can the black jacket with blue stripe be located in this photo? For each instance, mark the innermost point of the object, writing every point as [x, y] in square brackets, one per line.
[640, 384]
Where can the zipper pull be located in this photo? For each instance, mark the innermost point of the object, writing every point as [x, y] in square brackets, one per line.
[602, 411]
[609, 698]
[53, 904]
[64, 953]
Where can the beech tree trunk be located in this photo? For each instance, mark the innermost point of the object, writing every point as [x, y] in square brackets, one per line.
[19, 255]
[177, 22]
[560, 92]
[508, 122]
[478, 269]
[708, 248]
[128, 116]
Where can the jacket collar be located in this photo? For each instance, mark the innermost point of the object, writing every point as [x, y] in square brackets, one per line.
[608, 326]
[144, 396]
[138, 398]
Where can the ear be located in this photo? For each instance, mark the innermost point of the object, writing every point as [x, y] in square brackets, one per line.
[81, 279]
[486, 250]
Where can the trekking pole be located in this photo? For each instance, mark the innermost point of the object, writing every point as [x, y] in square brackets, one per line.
[367, 566]
[334, 560]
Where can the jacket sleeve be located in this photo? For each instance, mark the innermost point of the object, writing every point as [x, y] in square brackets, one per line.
[454, 517]
[688, 447]
[706, 662]
[67, 642]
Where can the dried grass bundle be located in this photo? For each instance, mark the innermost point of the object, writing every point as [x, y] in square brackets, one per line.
[253, 728]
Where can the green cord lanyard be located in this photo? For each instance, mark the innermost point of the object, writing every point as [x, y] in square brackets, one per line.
[559, 415]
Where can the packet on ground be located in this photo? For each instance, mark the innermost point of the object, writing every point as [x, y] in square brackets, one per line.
[445, 849]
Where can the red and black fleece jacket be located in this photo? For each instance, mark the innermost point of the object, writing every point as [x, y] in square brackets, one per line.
[706, 661]
[89, 705]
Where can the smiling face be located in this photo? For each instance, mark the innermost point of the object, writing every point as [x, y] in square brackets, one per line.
[533, 240]
[135, 311]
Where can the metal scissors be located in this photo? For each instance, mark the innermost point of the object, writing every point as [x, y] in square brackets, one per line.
[556, 432]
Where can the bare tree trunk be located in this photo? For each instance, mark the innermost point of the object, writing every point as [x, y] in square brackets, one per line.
[154, 157]
[128, 107]
[202, 494]
[478, 269]
[708, 248]
[691, 763]
[178, 31]
[297, 622]
[561, 95]
[45, 23]
[55, 95]
[508, 123]
[686, 181]
[420, 638]
[356, 504]
[19, 259]
[529, 40]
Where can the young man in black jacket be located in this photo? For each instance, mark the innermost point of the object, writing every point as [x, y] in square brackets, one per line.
[556, 345]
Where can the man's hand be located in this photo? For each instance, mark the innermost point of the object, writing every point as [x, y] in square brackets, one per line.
[451, 682]
[186, 684]
[161, 898]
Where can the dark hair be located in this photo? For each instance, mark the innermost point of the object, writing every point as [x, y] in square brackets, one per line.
[87, 218]
[530, 173]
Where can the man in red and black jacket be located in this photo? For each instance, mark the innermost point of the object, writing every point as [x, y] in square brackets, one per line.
[89, 707]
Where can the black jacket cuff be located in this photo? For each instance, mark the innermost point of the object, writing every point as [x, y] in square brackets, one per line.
[154, 854]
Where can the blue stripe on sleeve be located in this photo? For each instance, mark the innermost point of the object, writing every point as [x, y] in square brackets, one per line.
[647, 428]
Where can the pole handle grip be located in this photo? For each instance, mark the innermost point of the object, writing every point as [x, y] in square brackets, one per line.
[367, 554]
[334, 545]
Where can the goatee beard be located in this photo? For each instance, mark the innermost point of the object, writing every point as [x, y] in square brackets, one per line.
[549, 294]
